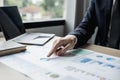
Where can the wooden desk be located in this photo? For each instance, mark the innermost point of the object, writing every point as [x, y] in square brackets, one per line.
[101, 49]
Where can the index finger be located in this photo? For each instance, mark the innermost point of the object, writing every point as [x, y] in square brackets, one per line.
[54, 48]
[51, 52]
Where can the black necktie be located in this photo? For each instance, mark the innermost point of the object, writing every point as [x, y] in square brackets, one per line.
[115, 26]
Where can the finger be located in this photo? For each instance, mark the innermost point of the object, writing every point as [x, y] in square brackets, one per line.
[56, 45]
[50, 53]
[59, 52]
[56, 51]
[64, 49]
[67, 47]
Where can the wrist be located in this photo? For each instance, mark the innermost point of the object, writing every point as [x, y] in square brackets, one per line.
[72, 38]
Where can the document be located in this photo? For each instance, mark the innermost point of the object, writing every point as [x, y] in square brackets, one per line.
[7, 73]
[78, 64]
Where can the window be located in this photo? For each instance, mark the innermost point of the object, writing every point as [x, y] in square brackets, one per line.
[36, 10]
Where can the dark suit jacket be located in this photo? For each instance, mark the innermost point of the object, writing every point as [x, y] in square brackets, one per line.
[97, 15]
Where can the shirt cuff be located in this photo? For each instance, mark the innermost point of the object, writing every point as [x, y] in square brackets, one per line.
[76, 40]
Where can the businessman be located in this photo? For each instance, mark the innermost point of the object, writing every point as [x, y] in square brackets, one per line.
[104, 14]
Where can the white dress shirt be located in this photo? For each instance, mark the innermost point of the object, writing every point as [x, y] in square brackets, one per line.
[113, 2]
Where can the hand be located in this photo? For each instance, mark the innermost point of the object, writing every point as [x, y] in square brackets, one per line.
[61, 45]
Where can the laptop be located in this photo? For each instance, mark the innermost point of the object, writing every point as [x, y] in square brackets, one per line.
[13, 28]
[33, 38]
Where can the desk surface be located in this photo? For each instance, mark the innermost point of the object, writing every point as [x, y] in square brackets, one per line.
[96, 48]
[101, 49]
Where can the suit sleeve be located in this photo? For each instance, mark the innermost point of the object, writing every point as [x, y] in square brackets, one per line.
[87, 26]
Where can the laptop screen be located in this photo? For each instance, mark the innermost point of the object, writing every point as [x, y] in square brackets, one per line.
[11, 22]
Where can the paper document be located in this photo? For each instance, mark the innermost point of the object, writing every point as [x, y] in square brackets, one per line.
[7, 73]
[79, 64]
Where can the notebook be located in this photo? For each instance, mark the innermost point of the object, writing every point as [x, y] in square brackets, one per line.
[13, 28]
[11, 47]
